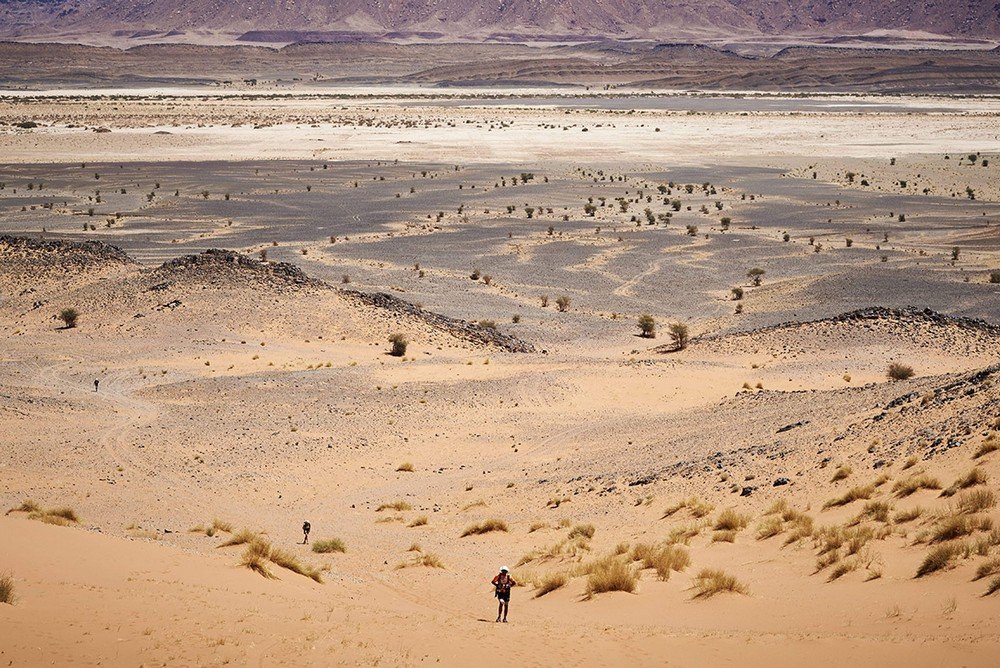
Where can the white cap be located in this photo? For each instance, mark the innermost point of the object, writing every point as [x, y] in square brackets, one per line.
[504, 569]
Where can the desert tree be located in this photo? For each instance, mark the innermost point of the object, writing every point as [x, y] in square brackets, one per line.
[647, 326]
[563, 302]
[756, 275]
[679, 335]
[399, 344]
[69, 317]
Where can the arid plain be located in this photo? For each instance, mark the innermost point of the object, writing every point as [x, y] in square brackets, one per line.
[767, 492]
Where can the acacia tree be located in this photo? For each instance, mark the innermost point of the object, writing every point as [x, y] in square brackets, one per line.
[679, 335]
[756, 275]
[69, 317]
[647, 326]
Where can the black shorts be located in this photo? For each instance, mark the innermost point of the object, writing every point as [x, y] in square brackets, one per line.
[503, 595]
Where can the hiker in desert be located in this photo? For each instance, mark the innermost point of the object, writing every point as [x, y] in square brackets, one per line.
[305, 532]
[502, 583]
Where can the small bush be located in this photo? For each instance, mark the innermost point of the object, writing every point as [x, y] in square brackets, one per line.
[486, 526]
[986, 447]
[6, 588]
[904, 516]
[897, 371]
[988, 568]
[255, 557]
[242, 537]
[710, 582]
[772, 526]
[27, 506]
[69, 316]
[418, 522]
[726, 536]
[292, 563]
[328, 546]
[405, 467]
[994, 586]
[974, 477]
[958, 526]
[428, 559]
[399, 344]
[550, 583]
[563, 302]
[611, 574]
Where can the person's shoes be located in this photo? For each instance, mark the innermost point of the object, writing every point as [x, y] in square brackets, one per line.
[498, 619]
[505, 621]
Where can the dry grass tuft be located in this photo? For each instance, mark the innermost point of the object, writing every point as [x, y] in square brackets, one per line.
[939, 557]
[584, 530]
[535, 526]
[852, 495]
[256, 558]
[428, 559]
[842, 473]
[475, 504]
[730, 520]
[418, 522]
[994, 586]
[697, 508]
[242, 537]
[904, 516]
[550, 583]
[913, 483]
[874, 511]
[711, 581]
[986, 447]
[329, 545]
[27, 506]
[770, 526]
[398, 506]
[405, 467]
[974, 477]
[988, 568]
[486, 526]
[6, 588]
[684, 534]
[976, 501]
[57, 516]
[663, 558]
[957, 526]
[725, 536]
[568, 548]
[611, 574]
[215, 527]
[291, 562]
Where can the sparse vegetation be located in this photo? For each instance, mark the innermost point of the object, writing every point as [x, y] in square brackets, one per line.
[908, 486]
[611, 574]
[710, 582]
[550, 583]
[852, 495]
[69, 317]
[328, 545]
[398, 506]
[679, 335]
[898, 371]
[647, 326]
[399, 344]
[486, 526]
[6, 588]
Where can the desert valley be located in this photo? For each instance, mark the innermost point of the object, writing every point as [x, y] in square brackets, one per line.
[713, 369]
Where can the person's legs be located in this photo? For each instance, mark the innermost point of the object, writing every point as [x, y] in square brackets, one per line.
[499, 608]
[506, 604]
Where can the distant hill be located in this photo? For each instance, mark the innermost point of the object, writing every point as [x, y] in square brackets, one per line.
[207, 21]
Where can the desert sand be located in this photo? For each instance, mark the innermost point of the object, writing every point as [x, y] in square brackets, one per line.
[246, 390]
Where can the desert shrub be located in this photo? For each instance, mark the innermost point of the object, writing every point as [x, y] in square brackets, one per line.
[697, 507]
[550, 583]
[976, 501]
[399, 506]
[405, 467]
[875, 511]
[611, 574]
[841, 473]
[661, 558]
[291, 562]
[535, 526]
[958, 526]
[486, 526]
[910, 485]
[995, 276]
[328, 545]
[737, 294]
[69, 316]
[563, 302]
[399, 344]
[730, 520]
[585, 530]
[725, 536]
[710, 582]
[994, 586]
[853, 494]
[939, 557]
[897, 371]
[756, 275]
[6, 588]
[679, 335]
[418, 522]
[647, 326]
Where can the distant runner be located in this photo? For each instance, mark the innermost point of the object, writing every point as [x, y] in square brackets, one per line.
[502, 584]
[96, 383]
[305, 532]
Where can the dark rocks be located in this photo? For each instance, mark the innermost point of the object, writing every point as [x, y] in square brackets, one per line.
[747, 491]
[781, 481]
[80, 254]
